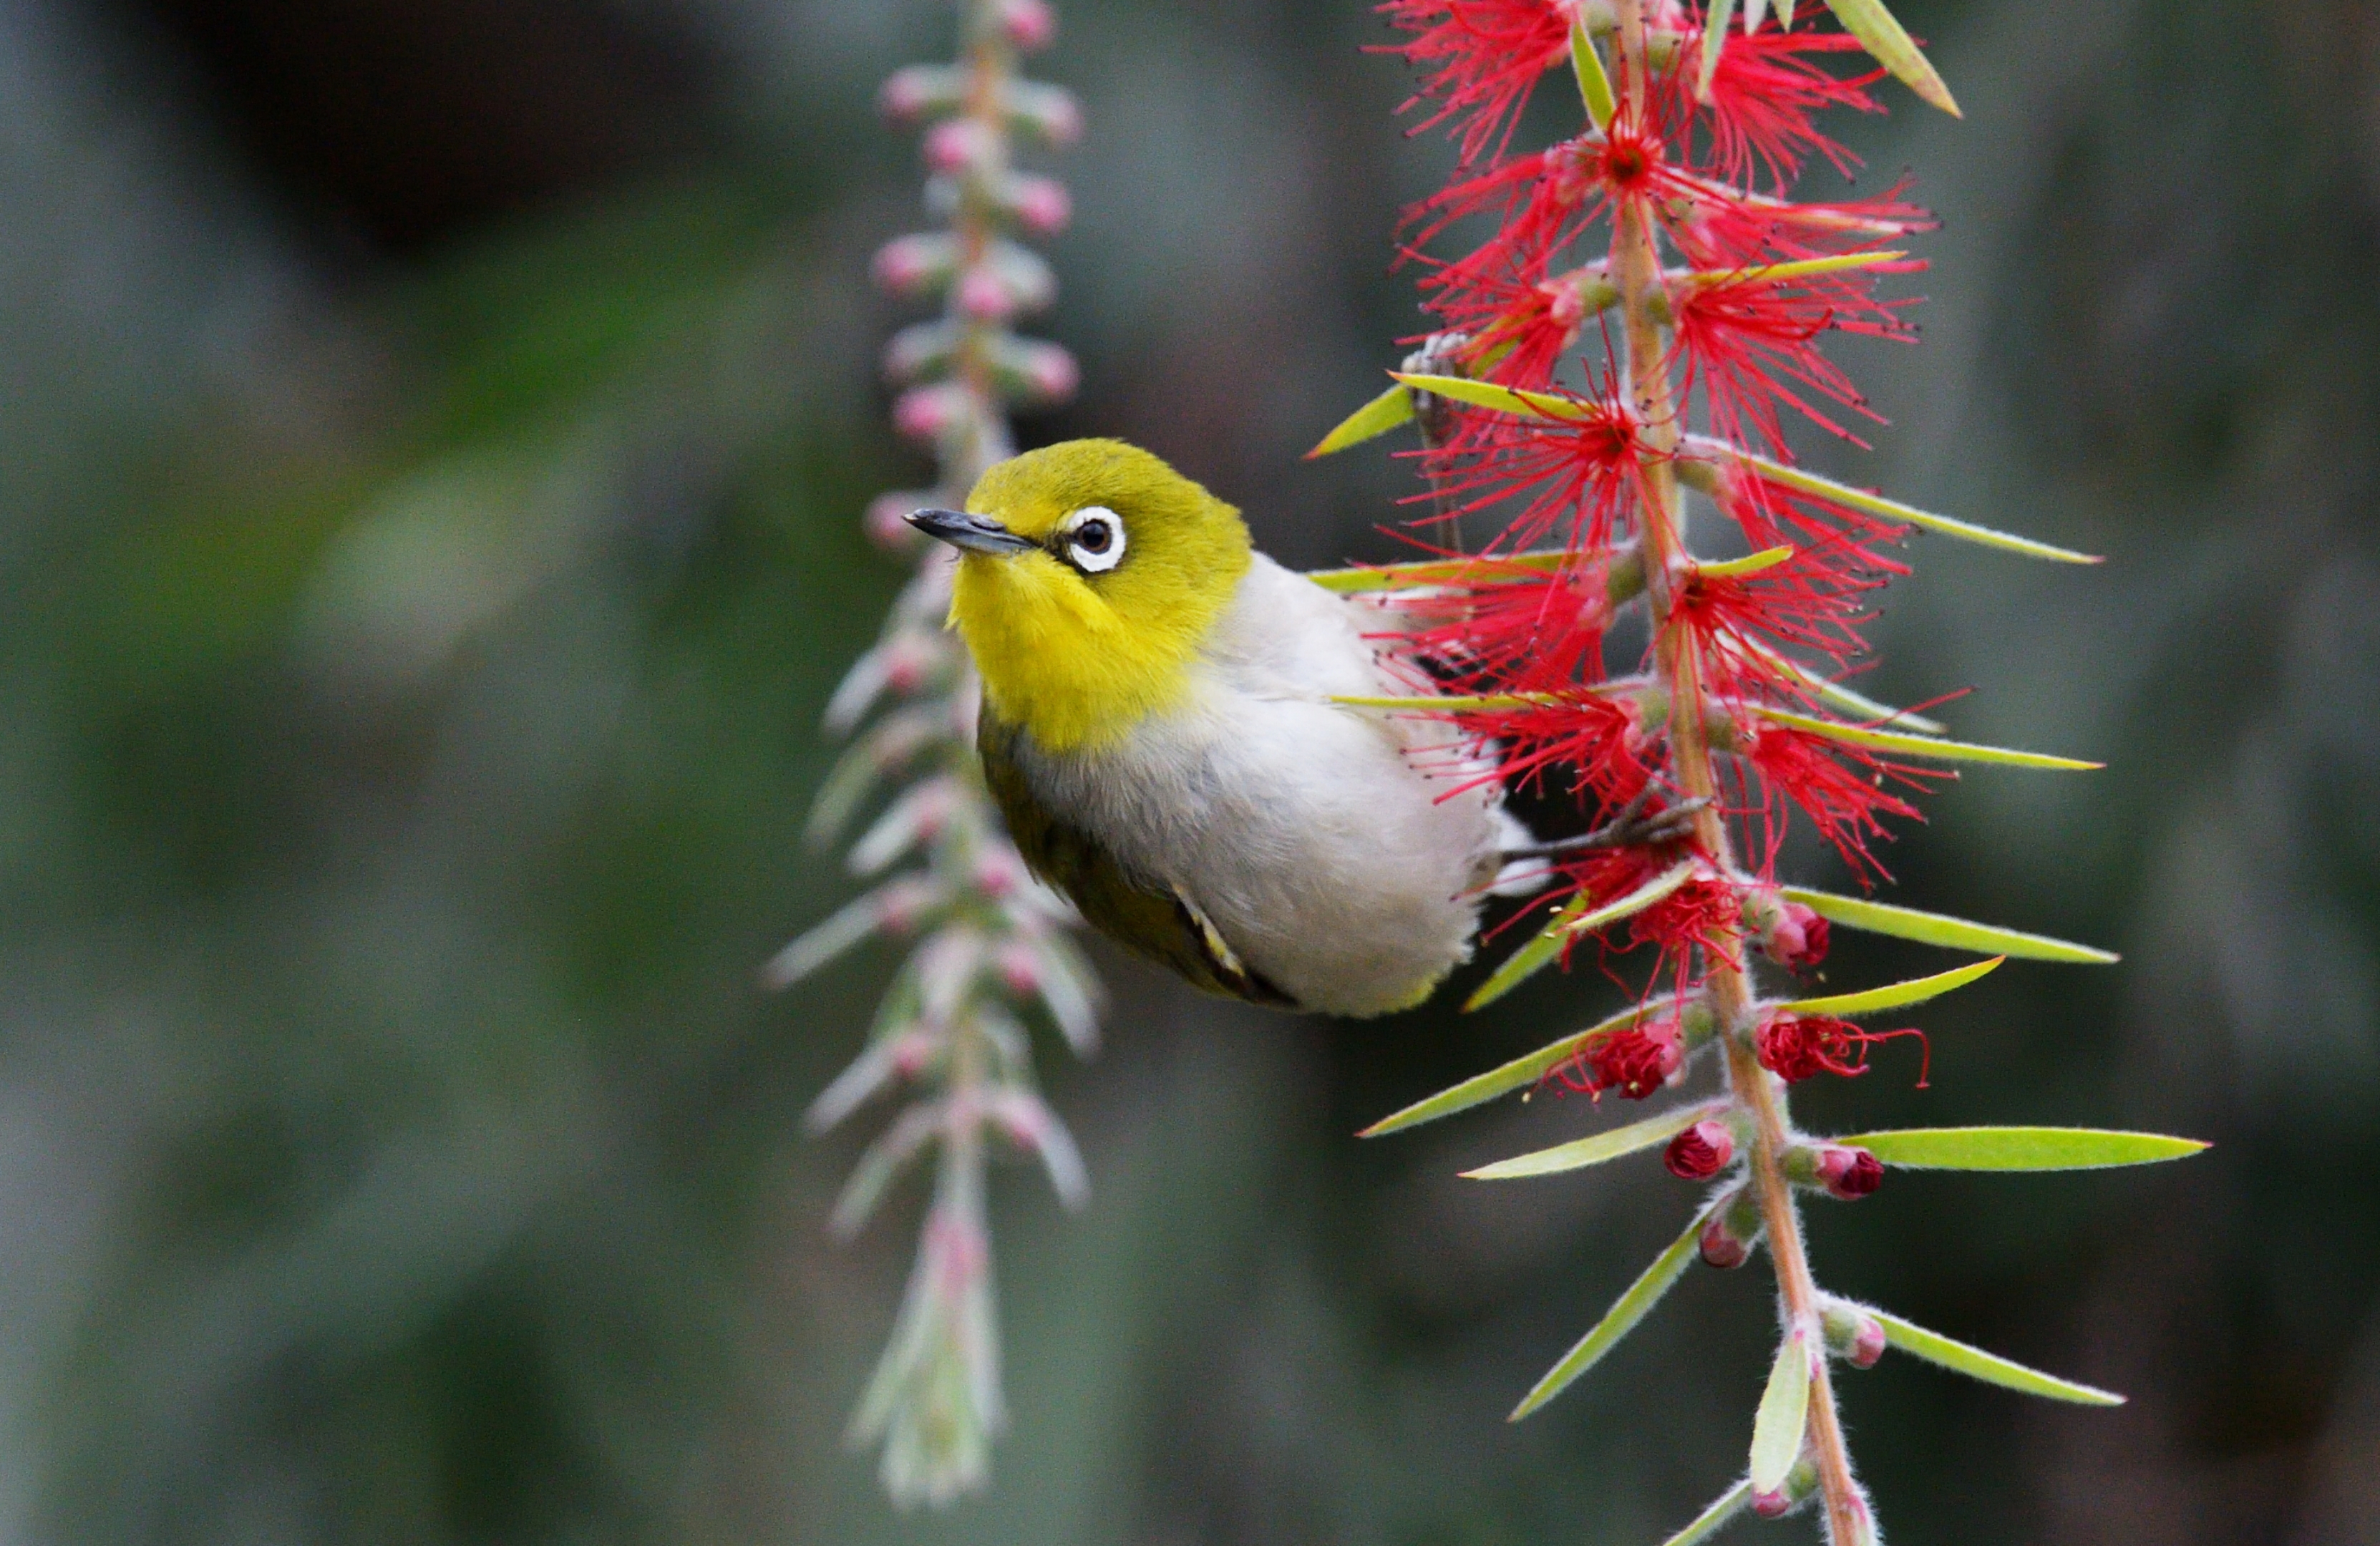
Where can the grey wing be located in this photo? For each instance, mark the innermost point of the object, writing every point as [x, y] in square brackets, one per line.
[1158, 922]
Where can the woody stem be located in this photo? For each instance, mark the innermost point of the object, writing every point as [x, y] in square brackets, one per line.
[1678, 663]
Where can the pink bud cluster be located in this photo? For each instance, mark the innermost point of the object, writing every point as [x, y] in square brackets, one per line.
[960, 374]
[989, 947]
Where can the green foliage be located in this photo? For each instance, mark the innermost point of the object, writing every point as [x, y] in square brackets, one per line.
[1910, 923]
[1783, 1415]
[2020, 1148]
[1376, 418]
[1617, 1322]
[1574, 920]
[1990, 1368]
[1896, 995]
[1597, 1148]
[1521, 1072]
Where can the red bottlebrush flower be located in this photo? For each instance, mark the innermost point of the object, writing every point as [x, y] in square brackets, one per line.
[1700, 915]
[1484, 57]
[1763, 94]
[1634, 1062]
[1841, 788]
[1848, 1173]
[1701, 1152]
[1749, 341]
[1576, 477]
[1796, 1047]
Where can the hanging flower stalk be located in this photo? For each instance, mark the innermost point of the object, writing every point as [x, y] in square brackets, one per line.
[991, 944]
[1662, 250]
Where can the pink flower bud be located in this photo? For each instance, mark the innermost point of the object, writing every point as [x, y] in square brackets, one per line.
[911, 92]
[910, 662]
[957, 145]
[1867, 1344]
[1721, 1246]
[887, 524]
[985, 296]
[1019, 971]
[1772, 1505]
[1041, 204]
[1701, 1152]
[912, 265]
[1047, 113]
[1036, 372]
[931, 412]
[1027, 24]
[1798, 938]
[1848, 1173]
[998, 872]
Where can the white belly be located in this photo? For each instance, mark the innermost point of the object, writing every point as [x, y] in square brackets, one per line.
[1331, 860]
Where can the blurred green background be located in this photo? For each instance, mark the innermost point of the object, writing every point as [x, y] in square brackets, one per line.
[435, 436]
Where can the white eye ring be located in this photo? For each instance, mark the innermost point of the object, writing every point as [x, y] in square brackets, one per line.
[1094, 538]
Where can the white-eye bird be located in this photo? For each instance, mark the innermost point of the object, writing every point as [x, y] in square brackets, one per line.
[1159, 731]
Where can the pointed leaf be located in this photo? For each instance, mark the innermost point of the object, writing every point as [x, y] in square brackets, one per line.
[1925, 746]
[1876, 505]
[1503, 400]
[1710, 1521]
[1454, 704]
[1594, 86]
[1715, 22]
[1990, 1368]
[1521, 1072]
[1774, 274]
[1570, 923]
[1617, 1322]
[1784, 1414]
[2020, 1148]
[1897, 995]
[1755, 11]
[1845, 698]
[1596, 1148]
[1909, 923]
[1881, 35]
[1376, 418]
[1485, 569]
[1750, 564]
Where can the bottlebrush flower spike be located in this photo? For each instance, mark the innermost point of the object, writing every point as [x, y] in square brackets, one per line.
[1639, 324]
[990, 942]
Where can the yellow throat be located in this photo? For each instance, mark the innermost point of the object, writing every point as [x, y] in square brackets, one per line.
[1076, 647]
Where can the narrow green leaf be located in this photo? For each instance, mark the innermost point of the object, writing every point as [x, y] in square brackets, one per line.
[1378, 417]
[1522, 1071]
[1594, 86]
[1750, 564]
[1774, 274]
[1453, 703]
[1710, 1521]
[1897, 995]
[1623, 573]
[1617, 1322]
[2020, 1148]
[1925, 746]
[1881, 35]
[1784, 1414]
[1846, 699]
[1715, 22]
[1570, 923]
[1597, 1148]
[1876, 505]
[1908, 923]
[1503, 400]
[1990, 1368]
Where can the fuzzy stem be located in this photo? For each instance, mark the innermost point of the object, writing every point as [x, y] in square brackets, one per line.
[1636, 269]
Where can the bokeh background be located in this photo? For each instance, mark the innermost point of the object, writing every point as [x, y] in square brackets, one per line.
[434, 435]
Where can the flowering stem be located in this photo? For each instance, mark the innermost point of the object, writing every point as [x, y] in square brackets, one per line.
[1636, 269]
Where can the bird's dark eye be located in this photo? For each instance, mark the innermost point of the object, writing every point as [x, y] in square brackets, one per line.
[1094, 539]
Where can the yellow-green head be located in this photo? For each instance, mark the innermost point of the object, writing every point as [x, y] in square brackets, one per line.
[1089, 574]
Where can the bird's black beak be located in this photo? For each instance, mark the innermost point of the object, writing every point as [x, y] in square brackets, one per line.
[969, 533]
